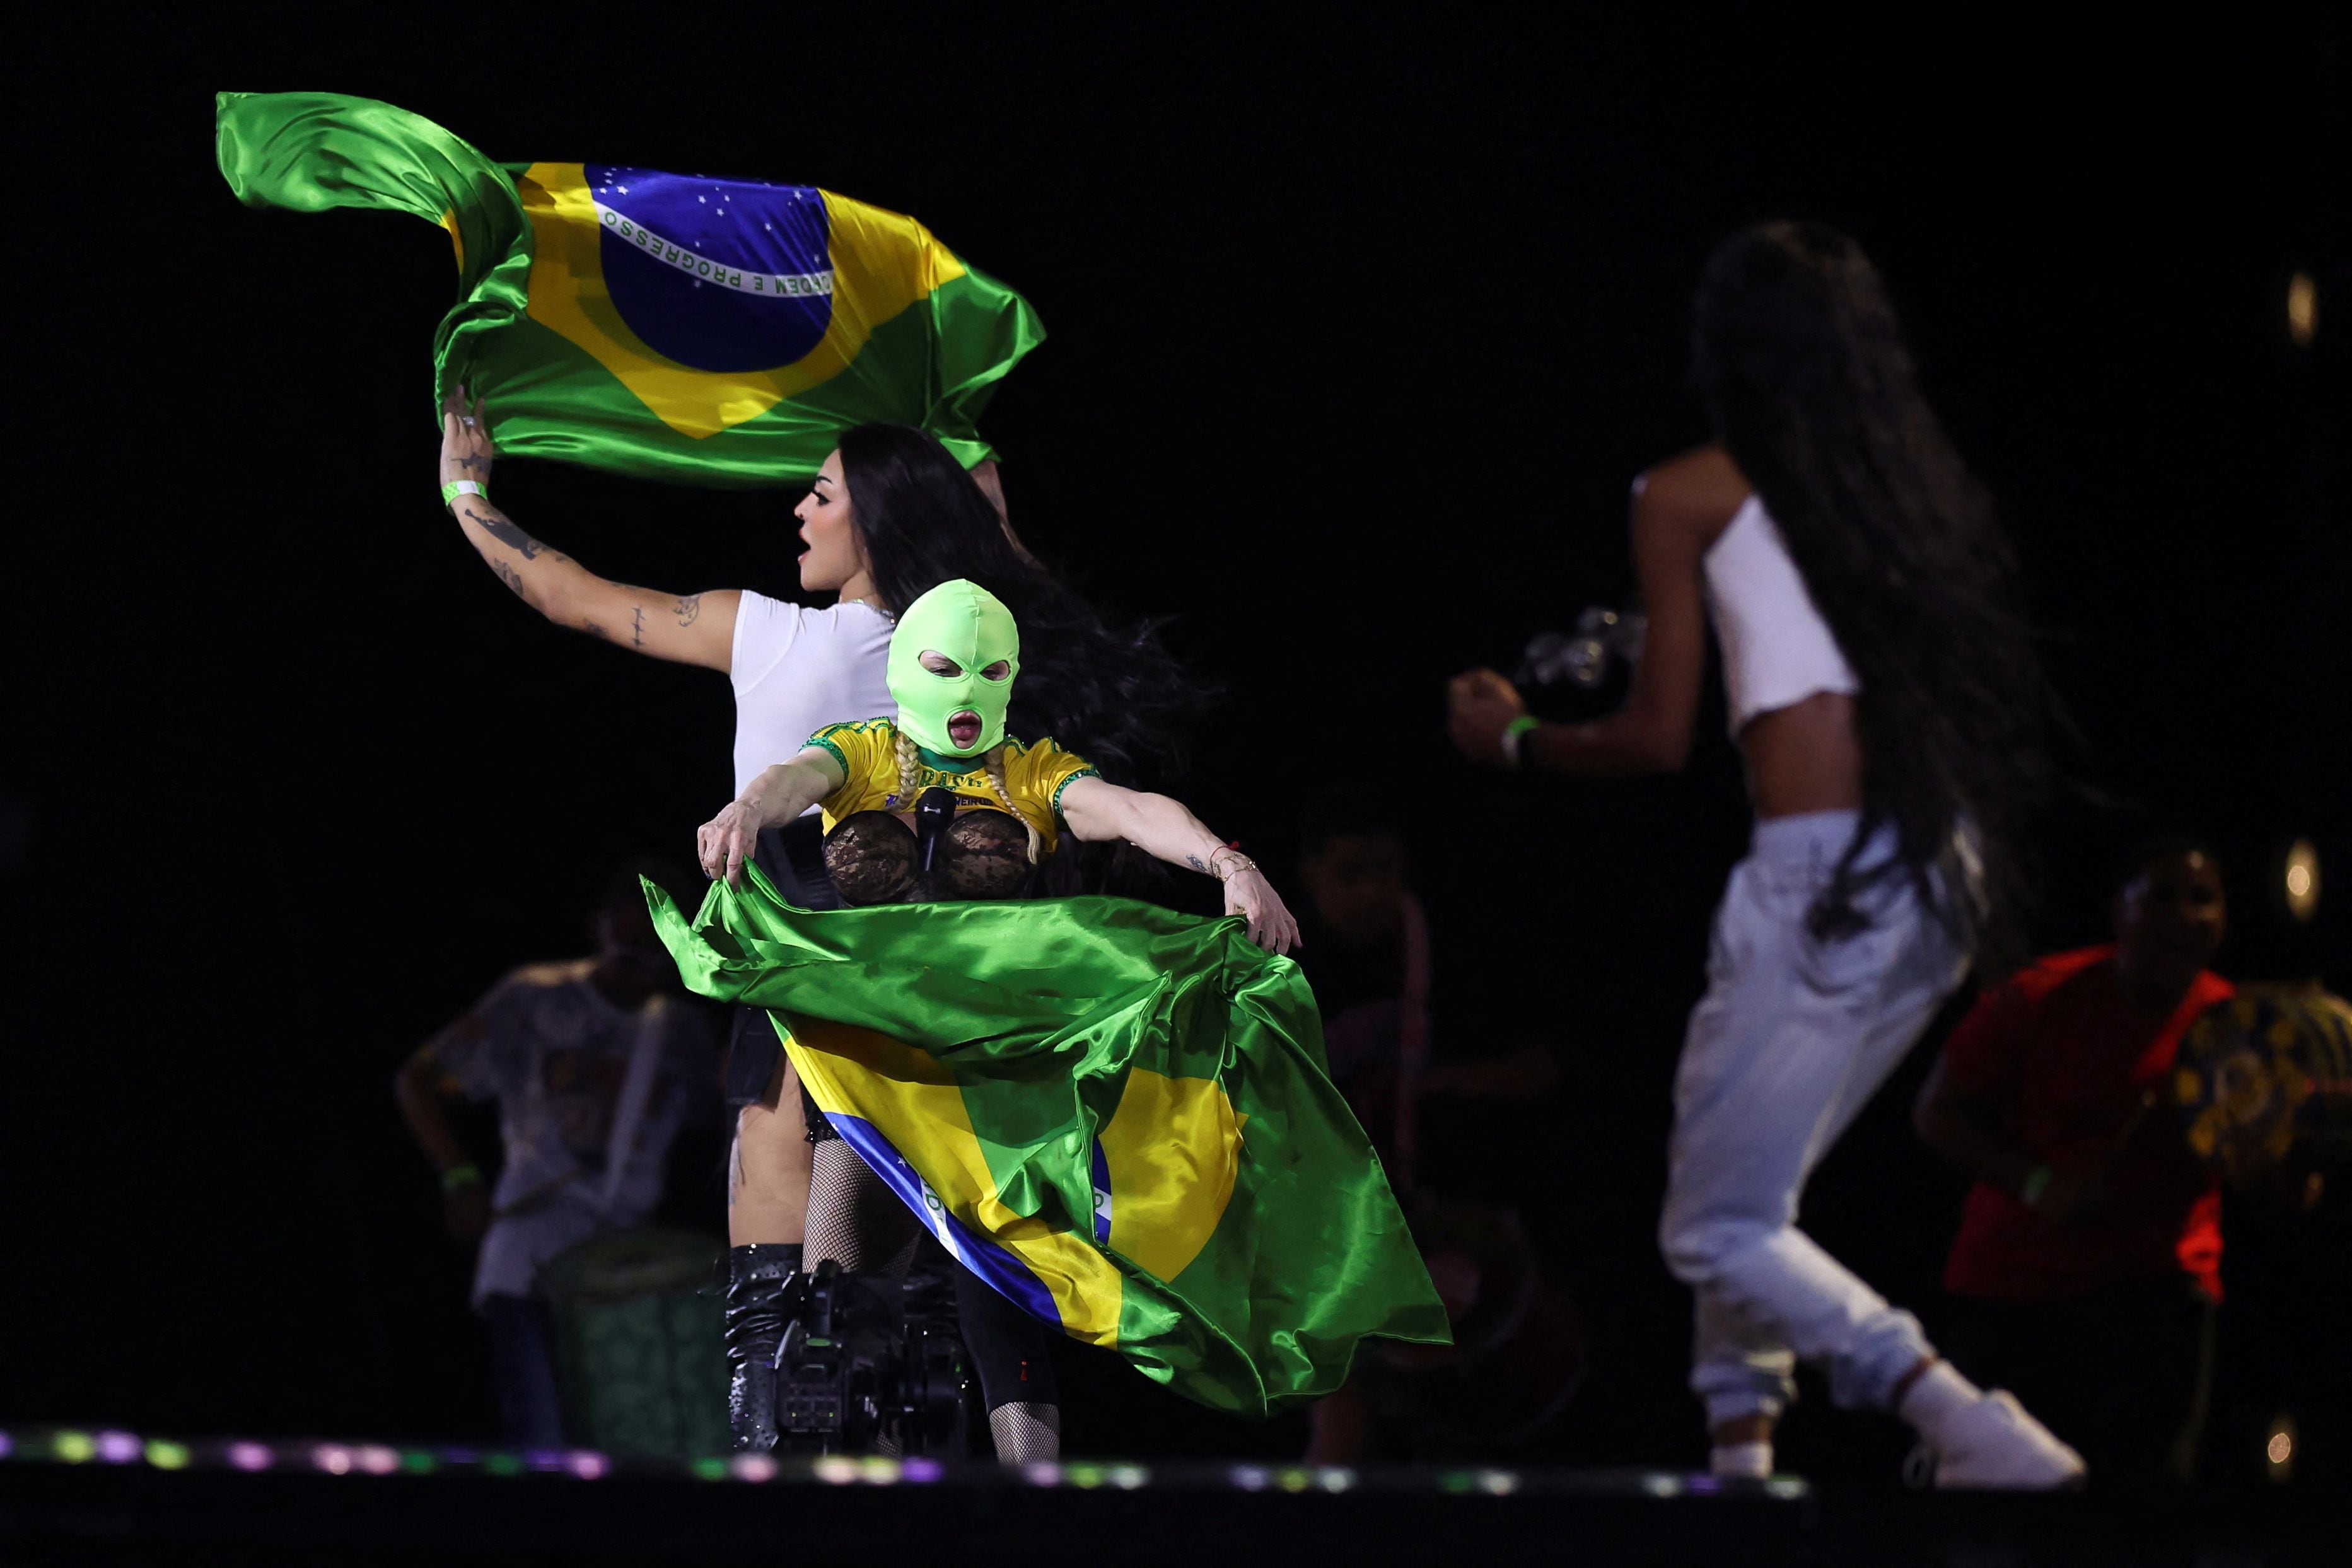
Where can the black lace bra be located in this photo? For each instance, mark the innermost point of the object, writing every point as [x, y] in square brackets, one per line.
[873, 858]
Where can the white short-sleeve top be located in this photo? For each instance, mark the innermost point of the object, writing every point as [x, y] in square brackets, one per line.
[796, 670]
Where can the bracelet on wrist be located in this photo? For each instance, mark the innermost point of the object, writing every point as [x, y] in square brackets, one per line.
[1515, 738]
[456, 487]
[1229, 856]
[455, 1177]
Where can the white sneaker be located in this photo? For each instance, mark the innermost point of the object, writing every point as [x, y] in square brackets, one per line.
[1994, 1444]
[1741, 1461]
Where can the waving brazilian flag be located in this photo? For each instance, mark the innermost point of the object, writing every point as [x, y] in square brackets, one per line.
[1115, 1115]
[712, 331]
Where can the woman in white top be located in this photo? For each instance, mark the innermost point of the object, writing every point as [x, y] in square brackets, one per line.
[889, 516]
[1887, 700]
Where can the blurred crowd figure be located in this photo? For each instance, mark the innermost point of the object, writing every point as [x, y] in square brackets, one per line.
[1397, 1048]
[2088, 1261]
[595, 1064]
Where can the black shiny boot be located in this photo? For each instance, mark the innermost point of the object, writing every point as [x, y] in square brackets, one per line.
[755, 1323]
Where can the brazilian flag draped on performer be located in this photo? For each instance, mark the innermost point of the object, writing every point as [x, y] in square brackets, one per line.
[716, 332]
[1115, 1115]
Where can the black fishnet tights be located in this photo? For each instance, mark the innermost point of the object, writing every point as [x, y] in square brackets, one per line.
[852, 1218]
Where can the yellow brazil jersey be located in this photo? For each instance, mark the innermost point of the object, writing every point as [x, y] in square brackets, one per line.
[1036, 774]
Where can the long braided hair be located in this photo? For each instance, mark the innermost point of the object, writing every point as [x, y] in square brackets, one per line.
[910, 762]
[1803, 370]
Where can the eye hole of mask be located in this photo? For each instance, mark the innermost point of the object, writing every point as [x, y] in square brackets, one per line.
[939, 664]
[1000, 670]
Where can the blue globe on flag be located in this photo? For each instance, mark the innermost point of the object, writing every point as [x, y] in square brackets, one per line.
[716, 275]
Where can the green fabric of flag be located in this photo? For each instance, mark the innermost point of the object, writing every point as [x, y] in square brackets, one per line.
[719, 332]
[1116, 1115]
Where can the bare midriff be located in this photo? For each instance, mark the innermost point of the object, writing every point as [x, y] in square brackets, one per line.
[1804, 757]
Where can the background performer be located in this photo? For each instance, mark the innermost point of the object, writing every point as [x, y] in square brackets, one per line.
[2089, 1256]
[595, 1064]
[1885, 699]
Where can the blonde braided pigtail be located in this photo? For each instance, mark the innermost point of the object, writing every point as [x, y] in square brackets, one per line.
[995, 764]
[909, 760]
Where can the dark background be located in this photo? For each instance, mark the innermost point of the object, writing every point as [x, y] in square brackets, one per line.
[1359, 330]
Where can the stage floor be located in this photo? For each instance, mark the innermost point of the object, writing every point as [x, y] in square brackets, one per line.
[80, 1496]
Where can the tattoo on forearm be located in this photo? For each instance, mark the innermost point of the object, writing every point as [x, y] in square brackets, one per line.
[595, 631]
[511, 578]
[690, 608]
[1196, 863]
[637, 630]
[501, 528]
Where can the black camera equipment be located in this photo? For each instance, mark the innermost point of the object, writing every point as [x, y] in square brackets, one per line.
[1603, 639]
[871, 1362]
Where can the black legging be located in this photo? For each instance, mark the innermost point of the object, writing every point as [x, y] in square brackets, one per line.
[1009, 1348]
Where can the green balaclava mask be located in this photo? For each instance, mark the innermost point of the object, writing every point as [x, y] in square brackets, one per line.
[969, 625]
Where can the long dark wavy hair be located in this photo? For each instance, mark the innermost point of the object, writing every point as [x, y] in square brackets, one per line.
[1803, 370]
[1110, 692]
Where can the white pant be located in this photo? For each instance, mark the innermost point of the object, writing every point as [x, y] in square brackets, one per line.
[1791, 1040]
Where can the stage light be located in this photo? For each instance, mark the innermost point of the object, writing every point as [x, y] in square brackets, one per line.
[1249, 1477]
[1127, 1478]
[166, 1456]
[2301, 309]
[1334, 1478]
[2278, 1449]
[835, 1469]
[419, 1462]
[118, 1448]
[7, 1444]
[920, 1471]
[73, 1447]
[333, 1458]
[249, 1455]
[1663, 1486]
[2303, 880]
[716, 1469]
[753, 1467]
[502, 1464]
[377, 1460]
[1042, 1473]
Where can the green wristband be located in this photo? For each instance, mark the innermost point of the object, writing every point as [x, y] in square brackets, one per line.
[456, 1176]
[450, 492]
[1515, 745]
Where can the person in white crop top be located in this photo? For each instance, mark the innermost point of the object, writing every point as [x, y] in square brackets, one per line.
[1884, 697]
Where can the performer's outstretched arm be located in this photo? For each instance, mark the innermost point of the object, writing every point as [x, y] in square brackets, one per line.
[775, 796]
[689, 628]
[1674, 518]
[1164, 828]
